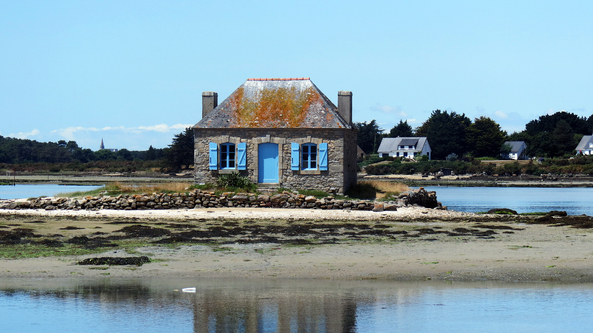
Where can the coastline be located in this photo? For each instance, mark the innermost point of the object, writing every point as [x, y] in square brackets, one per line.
[415, 180]
[422, 244]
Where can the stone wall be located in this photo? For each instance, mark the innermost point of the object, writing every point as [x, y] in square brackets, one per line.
[341, 173]
[206, 199]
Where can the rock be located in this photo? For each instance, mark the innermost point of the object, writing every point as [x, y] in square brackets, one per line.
[390, 207]
[502, 211]
[556, 213]
[379, 207]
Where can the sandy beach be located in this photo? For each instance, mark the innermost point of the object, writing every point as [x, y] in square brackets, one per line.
[412, 243]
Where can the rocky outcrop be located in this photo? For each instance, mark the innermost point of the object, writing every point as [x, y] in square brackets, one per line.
[208, 199]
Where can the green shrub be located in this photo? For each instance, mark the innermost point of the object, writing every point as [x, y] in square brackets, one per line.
[235, 180]
[315, 193]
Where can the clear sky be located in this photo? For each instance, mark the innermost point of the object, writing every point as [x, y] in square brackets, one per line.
[133, 72]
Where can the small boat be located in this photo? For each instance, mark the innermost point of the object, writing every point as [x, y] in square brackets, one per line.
[189, 290]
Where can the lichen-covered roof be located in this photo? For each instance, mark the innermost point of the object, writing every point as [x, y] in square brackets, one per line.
[275, 103]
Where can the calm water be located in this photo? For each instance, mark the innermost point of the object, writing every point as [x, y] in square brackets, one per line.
[33, 191]
[292, 306]
[575, 201]
[77, 305]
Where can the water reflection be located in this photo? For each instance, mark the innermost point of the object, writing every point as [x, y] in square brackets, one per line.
[289, 306]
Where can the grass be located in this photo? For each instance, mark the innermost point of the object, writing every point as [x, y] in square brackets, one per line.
[315, 193]
[382, 190]
[377, 190]
[117, 188]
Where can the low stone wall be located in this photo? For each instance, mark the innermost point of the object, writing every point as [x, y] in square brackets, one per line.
[207, 199]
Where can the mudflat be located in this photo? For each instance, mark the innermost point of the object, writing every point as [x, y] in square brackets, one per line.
[411, 243]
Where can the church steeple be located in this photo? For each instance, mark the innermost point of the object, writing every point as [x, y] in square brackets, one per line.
[102, 145]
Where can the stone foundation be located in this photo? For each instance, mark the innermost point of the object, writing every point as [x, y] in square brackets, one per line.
[206, 199]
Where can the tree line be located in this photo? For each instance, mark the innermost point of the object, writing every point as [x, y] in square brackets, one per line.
[452, 135]
[24, 151]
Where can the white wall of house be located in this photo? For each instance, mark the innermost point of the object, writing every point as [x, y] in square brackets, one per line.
[409, 152]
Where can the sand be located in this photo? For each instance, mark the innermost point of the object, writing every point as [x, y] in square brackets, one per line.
[517, 251]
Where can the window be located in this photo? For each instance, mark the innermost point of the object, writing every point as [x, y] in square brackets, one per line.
[227, 156]
[309, 156]
[309, 161]
[232, 156]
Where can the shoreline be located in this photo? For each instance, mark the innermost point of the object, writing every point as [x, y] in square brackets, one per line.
[410, 180]
[410, 244]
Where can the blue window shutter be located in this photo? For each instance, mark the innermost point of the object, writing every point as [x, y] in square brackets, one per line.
[213, 164]
[242, 156]
[323, 156]
[295, 156]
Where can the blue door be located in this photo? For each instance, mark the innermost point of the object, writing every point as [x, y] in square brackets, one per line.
[268, 163]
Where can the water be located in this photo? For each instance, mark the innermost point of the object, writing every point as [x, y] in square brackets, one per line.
[291, 306]
[33, 191]
[575, 201]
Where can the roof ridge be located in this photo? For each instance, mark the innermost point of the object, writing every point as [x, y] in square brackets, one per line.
[279, 79]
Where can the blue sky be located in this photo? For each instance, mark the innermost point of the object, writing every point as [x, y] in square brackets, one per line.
[132, 72]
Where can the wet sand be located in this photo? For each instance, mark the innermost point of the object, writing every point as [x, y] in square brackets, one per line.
[409, 244]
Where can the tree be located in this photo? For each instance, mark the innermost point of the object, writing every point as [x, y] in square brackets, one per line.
[150, 154]
[548, 123]
[402, 129]
[181, 151]
[369, 136]
[446, 133]
[563, 138]
[505, 150]
[485, 138]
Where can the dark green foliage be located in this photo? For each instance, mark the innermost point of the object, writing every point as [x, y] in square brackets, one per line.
[508, 169]
[235, 180]
[402, 130]
[548, 123]
[563, 139]
[23, 151]
[181, 152]
[374, 158]
[485, 137]
[369, 136]
[316, 193]
[446, 133]
[506, 149]
[554, 135]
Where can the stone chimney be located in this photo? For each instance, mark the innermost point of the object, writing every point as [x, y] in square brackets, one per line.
[345, 105]
[209, 102]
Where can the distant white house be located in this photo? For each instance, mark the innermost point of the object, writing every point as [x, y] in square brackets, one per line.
[585, 147]
[406, 147]
[517, 152]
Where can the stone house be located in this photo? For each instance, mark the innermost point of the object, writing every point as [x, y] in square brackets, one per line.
[278, 133]
[518, 150]
[405, 147]
[585, 146]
